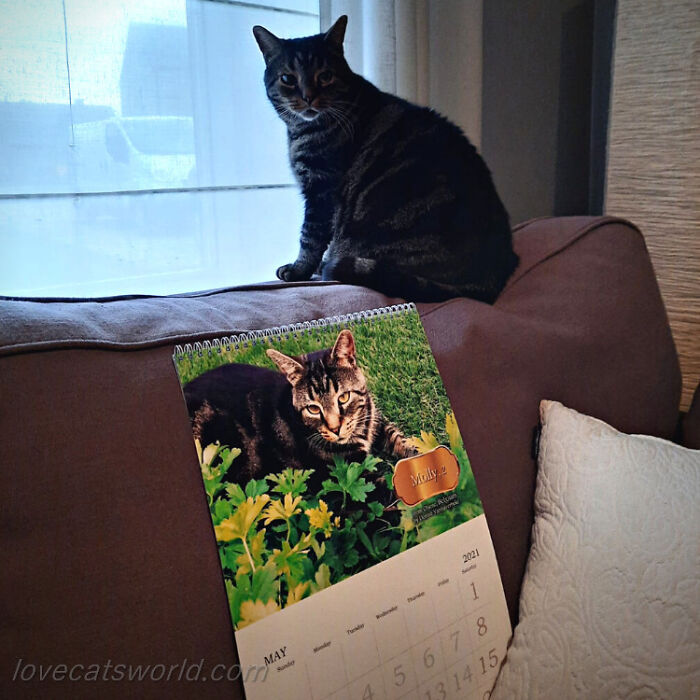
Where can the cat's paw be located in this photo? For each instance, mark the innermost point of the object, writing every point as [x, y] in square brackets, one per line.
[293, 272]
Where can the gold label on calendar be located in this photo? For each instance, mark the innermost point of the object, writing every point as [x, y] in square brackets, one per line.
[429, 474]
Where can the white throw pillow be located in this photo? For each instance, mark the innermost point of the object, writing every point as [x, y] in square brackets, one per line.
[610, 604]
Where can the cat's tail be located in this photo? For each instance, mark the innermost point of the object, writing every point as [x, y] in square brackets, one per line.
[388, 279]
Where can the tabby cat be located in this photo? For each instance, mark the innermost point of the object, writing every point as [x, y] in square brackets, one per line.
[396, 197]
[315, 407]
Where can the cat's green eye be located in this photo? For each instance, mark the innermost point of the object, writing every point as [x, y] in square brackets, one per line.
[288, 79]
[344, 397]
[313, 410]
[325, 77]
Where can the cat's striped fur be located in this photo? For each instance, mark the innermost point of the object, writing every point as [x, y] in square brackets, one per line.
[315, 407]
[396, 197]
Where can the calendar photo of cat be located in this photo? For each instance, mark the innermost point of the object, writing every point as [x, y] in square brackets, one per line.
[298, 434]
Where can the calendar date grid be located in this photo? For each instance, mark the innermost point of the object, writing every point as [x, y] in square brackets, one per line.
[439, 630]
[475, 658]
[478, 661]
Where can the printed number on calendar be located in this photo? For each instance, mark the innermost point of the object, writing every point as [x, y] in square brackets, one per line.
[436, 693]
[466, 677]
[492, 661]
[469, 556]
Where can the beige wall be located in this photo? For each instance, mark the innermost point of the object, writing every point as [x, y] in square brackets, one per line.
[654, 154]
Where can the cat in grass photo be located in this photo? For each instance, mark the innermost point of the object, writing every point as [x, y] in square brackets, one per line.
[298, 432]
[396, 197]
[314, 408]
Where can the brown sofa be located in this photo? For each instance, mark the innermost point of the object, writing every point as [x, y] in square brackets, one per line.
[107, 545]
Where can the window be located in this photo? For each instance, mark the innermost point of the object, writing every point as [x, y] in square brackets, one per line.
[139, 153]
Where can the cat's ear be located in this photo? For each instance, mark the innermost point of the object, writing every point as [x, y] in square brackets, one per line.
[335, 35]
[291, 369]
[269, 44]
[343, 353]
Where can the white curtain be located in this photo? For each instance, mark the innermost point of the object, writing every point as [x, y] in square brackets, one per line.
[429, 52]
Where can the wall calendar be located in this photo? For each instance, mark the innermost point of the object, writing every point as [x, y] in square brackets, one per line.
[354, 548]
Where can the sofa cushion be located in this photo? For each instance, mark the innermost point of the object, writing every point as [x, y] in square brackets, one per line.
[609, 604]
[105, 523]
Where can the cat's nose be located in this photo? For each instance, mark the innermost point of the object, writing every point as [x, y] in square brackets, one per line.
[308, 97]
[334, 426]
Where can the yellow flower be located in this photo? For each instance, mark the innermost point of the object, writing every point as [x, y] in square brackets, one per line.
[214, 457]
[406, 522]
[210, 452]
[425, 443]
[253, 611]
[279, 511]
[322, 579]
[453, 431]
[256, 550]
[320, 517]
[297, 593]
[319, 549]
[237, 525]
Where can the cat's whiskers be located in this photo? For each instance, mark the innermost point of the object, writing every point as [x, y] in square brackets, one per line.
[346, 108]
[346, 103]
[284, 111]
[368, 420]
[341, 118]
[328, 112]
[319, 442]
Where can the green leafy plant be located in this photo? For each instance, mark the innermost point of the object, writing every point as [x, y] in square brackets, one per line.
[279, 544]
[347, 479]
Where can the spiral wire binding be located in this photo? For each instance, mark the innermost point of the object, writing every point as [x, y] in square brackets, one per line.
[227, 343]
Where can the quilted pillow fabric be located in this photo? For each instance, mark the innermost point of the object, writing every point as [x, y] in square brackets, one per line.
[610, 604]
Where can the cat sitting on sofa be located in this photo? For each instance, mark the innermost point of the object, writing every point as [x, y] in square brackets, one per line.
[397, 199]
